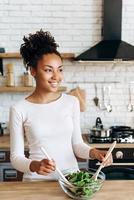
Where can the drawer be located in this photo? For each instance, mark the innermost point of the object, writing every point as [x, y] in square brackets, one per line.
[10, 174]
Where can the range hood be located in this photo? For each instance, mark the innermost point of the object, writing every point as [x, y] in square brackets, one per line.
[111, 47]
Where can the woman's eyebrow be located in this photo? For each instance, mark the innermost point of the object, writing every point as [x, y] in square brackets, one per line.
[52, 66]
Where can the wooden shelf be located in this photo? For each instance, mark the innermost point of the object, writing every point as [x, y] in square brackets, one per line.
[24, 89]
[18, 56]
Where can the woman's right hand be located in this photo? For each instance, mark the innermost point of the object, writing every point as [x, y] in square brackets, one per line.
[43, 167]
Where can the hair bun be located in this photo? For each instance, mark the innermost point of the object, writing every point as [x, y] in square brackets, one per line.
[36, 45]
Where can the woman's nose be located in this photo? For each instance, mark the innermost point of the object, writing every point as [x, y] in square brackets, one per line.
[55, 75]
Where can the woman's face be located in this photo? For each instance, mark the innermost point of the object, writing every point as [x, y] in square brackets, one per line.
[49, 73]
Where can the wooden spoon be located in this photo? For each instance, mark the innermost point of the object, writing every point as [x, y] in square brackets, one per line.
[102, 164]
[57, 169]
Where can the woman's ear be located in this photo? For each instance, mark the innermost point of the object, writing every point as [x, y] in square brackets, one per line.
[33, 71]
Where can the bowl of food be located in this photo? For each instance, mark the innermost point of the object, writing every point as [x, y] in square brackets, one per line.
[83, 186]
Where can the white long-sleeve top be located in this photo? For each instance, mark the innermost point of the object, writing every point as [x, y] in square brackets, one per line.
[55, 126]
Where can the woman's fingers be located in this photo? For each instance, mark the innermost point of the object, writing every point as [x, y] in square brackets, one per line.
[45, 171]
[109, 161]
[42, 173]
[50, 164]
[100, 155]
[46, 167]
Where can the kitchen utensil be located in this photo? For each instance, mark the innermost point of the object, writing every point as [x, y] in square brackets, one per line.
[98, 130]
[109, 106]
[57, 169]
[96, 99]
[120, 128]
[130, 106]
[81, 95]
[106, 157]
[99, 123]
[84, 190]
[102, 103]
[122, 132]
[100, 133]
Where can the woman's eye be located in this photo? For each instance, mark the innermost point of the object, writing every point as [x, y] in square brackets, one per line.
[48, 70]
[61, 70]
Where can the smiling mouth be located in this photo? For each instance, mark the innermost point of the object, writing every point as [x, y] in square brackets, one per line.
[54, 85]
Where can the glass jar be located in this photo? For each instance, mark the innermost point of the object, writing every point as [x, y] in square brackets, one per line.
[27, 79]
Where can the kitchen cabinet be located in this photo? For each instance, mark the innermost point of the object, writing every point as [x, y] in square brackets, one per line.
[7, 172]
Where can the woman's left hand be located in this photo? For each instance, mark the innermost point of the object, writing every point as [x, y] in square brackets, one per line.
[100, 155]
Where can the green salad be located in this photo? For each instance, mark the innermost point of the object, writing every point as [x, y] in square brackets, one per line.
[85, 185]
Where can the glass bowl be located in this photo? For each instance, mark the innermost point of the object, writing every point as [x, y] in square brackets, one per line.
[83, 188]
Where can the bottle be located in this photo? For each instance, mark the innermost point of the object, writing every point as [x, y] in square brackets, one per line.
[27, 79]
[10, 75]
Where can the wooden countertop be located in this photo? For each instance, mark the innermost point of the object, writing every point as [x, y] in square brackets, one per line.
[121, 190]
[5, 143]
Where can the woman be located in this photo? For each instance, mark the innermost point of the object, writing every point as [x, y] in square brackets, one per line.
[47, 118]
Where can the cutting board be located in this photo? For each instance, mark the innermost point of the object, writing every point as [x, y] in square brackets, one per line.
[81, 95]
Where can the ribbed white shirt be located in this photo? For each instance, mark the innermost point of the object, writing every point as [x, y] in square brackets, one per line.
[55, 126]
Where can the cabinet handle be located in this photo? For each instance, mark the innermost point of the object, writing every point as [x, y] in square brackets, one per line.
[10, 174]
[2, 156]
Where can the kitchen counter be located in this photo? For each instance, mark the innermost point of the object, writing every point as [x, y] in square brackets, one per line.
[5, 143]
[118, 190]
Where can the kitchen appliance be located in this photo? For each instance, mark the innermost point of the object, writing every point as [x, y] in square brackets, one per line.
[112, 47]
[120, 134]
[123, 157]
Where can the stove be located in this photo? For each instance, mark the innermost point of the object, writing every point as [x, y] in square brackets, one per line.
[120, 134]
[123, 157]
[93, 139]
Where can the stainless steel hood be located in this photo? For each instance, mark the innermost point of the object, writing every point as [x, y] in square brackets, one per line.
[111, 47]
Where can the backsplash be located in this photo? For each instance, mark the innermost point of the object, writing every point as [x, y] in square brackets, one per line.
[76, 28]
[117, 76]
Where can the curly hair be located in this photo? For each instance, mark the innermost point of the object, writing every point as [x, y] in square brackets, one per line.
[36, 45]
